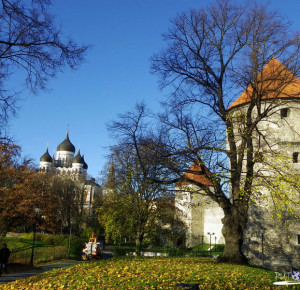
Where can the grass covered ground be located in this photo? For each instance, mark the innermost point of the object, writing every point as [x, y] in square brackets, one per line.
[18, 244]
[47, 248]
[150, 273]
[21, 251]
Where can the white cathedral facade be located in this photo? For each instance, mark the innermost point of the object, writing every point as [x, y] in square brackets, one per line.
[268, 242]
[67, 165]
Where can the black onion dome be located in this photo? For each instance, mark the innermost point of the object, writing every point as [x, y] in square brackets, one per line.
[46, 157]
[78, 158]
[66, 145]
[85, 166]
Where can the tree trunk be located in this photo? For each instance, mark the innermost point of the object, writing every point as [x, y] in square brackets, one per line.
[3, 234]
[4, 228]
[138, 243]
[234, 224]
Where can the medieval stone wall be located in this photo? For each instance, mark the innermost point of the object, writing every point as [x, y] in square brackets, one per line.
[201, 215]
[271, 241]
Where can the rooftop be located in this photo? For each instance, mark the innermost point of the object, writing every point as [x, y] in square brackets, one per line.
[195, 173]
[274, 81]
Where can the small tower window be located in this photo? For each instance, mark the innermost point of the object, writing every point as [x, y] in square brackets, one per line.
[295, 157]
[284, 112]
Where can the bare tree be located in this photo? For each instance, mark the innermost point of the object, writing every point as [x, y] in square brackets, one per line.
[68, 205]
[31, 42]
[211, 56]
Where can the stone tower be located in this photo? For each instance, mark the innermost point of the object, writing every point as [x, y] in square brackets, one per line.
[201, 215]
[272, 239]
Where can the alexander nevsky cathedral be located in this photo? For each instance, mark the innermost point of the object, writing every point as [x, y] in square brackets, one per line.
[65, 162]
[68, 165]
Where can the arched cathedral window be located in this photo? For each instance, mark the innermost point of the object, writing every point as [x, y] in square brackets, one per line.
[295, 157]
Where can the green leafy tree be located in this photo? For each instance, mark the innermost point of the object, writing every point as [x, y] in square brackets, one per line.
[282, 180]
[168, 229]
[137, 198]
[114, 215]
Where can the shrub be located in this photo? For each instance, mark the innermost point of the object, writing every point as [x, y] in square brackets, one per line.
[122, 251]
[76, 246]
[220, 248]
[55, 240]
[174, 252]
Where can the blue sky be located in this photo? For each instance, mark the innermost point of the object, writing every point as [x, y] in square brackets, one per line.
[124, 34]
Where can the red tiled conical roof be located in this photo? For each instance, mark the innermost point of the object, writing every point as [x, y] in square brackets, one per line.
[195, 174]
[274, 81]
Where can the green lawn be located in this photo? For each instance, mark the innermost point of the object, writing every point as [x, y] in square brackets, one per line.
[21, 250]
[19, 244]
[150, 273]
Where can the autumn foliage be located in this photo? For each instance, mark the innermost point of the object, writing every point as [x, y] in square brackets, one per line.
[156, 273]
[16, 188]
[22, 187]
